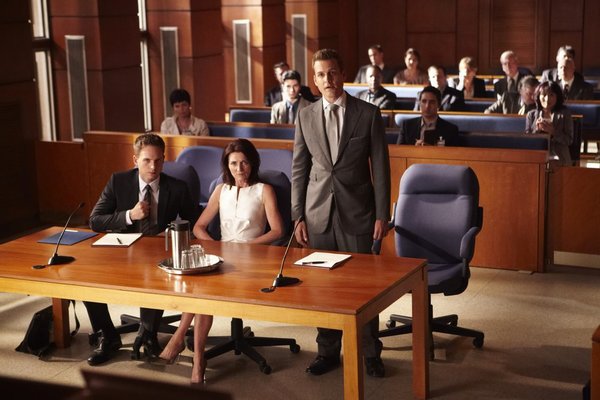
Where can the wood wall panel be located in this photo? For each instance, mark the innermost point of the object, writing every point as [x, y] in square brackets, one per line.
[426, 16]
[443, 53]
[513, 28]
[573, 212]
[467, 30]
[62, 165]
[123, 106]
[591, 33]
[566, 15]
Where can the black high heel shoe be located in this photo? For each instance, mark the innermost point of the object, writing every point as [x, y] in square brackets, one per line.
[149, 341]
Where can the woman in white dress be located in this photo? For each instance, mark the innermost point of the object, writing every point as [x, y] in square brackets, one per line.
[244, 205]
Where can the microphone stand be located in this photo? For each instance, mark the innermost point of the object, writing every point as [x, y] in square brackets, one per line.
[56, 259]
[281, 280]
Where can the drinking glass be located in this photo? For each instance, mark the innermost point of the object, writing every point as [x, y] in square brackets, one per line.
[187, 259]
[199, 255]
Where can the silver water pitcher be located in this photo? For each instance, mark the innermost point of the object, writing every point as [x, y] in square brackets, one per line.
[180, 240]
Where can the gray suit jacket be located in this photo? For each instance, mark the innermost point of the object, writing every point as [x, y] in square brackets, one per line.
[279, 111]
[318, 181]
[563, 132]
[508, 103]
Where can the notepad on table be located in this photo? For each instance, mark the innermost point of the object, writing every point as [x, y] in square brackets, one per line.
[70, 237]
[323, 260]
[117, 239]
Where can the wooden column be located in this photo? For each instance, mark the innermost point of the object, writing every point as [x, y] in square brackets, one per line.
[112, 57]
[200, 48]
[267, 44]
[18, 119]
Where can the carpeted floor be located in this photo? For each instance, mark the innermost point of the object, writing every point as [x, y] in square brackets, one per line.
[538, 331]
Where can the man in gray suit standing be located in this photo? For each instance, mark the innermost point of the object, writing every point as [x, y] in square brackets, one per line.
[340, 188]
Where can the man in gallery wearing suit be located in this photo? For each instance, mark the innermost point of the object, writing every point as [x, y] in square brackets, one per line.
[516, 103]
[376, 57]
[429, 128]
[377, 94]
[142, 200]
[514, 74]
[451, 100]
[275, 95]
[286, 110]
[571, 82]
[340, 188]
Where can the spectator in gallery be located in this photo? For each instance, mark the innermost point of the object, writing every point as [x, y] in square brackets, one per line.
[412, 74]
[183, 122]
[376, 57]
[275, 94]
[467, 82]
[513, 74]
[451, 99]
[377, 94]
[286, 110]
[516, 103]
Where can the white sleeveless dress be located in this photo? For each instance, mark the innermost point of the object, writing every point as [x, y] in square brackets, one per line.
[242, 215]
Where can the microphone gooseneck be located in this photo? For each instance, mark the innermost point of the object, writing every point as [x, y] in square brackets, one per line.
[56, 259]
[281, 280]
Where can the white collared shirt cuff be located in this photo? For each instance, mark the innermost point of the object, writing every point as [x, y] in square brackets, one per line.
[128, 220]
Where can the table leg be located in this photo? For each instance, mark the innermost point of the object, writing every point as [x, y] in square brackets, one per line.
[60, 313]
[420, 337]
[353, 370]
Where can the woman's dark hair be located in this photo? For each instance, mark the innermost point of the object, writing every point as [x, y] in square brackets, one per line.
[549, 86]
[245, 147]
[178, 96]
[413, 52]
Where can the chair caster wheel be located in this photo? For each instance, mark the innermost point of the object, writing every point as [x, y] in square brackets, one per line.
[294, 348]
[390, 324]
[478, 342]
[265, 369]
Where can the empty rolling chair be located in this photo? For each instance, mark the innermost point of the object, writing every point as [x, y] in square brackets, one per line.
[437, 217]
[206, 160]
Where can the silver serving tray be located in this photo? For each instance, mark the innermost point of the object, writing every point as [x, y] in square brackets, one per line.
[213, 263]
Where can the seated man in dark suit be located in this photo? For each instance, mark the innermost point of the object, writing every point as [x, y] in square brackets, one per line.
[467, 82]
[514, 74]
[274, 95]
[376, 58]
[573, 85]
[429, 128]
[377, 94]
[563, 52]
[516, 103]
[452, 99]
[143, 200]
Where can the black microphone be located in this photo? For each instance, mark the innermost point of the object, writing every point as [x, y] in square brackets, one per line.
[281, 280]
[56, 259]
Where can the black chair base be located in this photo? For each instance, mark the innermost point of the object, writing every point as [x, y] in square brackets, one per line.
[444, 324]
[129, 323]
[243, 341]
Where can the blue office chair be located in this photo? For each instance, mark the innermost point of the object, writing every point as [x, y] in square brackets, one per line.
[206, 160]
[276, 159]
[186, 173]
[437, 217]
[242, 340]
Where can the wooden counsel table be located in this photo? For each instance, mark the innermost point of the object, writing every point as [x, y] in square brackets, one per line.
[343, 298]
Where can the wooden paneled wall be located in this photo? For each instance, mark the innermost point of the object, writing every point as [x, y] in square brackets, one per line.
[112, 49]
[18, 119]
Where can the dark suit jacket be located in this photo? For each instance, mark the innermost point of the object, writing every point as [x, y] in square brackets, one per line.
[501, 86]
[410, 132]
[384, 99]
[274, 95]
[508, 103]
[478, 86]
[579, 90]
[452, 100]
[358, 182]
[121, 193]
[387, 74]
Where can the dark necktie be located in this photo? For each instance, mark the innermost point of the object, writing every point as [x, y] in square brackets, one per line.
[566, 91]
[146, 225]
[511, 85]
[290, 113]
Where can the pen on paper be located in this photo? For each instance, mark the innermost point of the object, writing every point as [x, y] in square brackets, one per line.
[313, 262]
[119, 240]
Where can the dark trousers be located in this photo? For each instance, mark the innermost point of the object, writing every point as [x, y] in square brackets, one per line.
[335, 239]
[100, 318]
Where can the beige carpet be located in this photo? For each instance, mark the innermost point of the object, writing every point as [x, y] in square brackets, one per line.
[537, 346]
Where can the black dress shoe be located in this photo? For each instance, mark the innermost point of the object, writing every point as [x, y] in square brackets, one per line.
[374, 367]
[106, 350]
[149, 341]
[323, 364]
